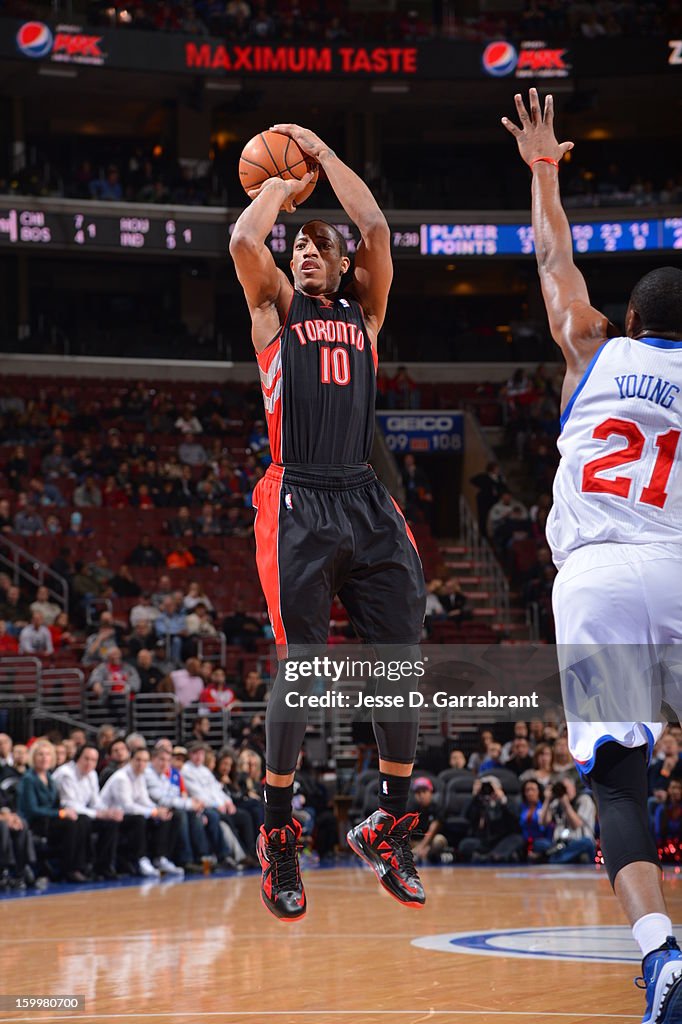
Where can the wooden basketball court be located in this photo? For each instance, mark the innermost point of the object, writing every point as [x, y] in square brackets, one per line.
[205, 950]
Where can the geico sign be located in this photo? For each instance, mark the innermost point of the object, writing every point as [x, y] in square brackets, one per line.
[675, 51]
[441, 423]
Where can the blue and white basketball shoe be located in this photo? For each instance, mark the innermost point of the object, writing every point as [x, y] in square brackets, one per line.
[662, 970]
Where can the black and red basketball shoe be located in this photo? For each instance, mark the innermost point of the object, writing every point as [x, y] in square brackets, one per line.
[383, 842]
[281, 887]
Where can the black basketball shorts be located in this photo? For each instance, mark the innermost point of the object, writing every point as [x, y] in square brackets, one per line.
[323, 531]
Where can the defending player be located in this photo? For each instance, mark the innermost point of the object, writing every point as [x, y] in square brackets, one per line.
[324, 524]
[616, 534]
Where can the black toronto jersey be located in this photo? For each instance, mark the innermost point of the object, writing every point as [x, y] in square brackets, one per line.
[318, 378]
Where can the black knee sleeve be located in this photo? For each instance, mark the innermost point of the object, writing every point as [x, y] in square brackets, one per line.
[619, 785]
[396, 728]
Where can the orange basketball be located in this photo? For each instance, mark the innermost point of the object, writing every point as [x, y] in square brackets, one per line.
[270, 155]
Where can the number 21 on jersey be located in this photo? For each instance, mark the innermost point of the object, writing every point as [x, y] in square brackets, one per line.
[655, 491]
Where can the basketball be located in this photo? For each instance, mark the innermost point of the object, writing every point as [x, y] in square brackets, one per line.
[271, 155]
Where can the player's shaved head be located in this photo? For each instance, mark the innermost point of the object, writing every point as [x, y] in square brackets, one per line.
[655, 304]
[316, 227]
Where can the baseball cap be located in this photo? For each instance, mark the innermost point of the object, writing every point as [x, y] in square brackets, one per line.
[422, 783]
[179, 751]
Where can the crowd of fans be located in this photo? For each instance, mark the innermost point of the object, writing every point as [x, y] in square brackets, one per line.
[74, 808]
[326, 20]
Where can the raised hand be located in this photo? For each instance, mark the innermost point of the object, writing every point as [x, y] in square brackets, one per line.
[535, 138]
[307, 141]
[291, 187]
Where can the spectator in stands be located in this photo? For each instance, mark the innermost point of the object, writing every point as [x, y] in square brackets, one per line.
[16, 467]
[77, 527]
[506, 518]
[55, 463]
[199, 622]
[171, 627]
[27, 522]
[78, 788]
[240, 628]
[14, 609]
[187, 683]
[418, 493]
[144, 612]
[167, 789]
[201, 730]
[520, 760]
[520, 730]
[163, 591]
[153, 836]
[430, 843]
[35, 638]
[180, 557]
[8, 643]
[253, 690]
[123, 584]
[98, 645]
[196, 595]
[667, 817]
[143, 638]
[574, 820]
[6, 521]
[145, 555]
[457, 760]
[135, 741]
[666, 764]
[6, 746]
[191, 452]
[18, 766]
[216, 695]
[218, 807]
[183, 525]
[453, 601]
[208, 525]
[87, 494]
[149, 672]
[17, 849]
[491, 759]
[44, 495]
[562, 762]
[107, 187]
[492, 485]
[401, 391]
[112, 682]
[494, 828]
[476, 759]
[542, 766]
[187, 422]
[48, 609]
[118, 755]
[538, 837]
[52, 526]
[38, 801]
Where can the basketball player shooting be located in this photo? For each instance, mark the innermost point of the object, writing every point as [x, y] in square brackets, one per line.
[615, 530]
[325, 525]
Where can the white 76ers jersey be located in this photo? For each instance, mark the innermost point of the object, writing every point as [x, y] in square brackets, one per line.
[620, 475]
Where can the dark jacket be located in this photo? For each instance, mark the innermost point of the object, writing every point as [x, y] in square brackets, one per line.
[37, 800]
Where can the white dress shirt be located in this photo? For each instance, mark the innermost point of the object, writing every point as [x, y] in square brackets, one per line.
[128, 791]
[77, 790]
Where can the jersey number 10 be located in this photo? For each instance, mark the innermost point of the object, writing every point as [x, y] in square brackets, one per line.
[655, 491]
[334, 365]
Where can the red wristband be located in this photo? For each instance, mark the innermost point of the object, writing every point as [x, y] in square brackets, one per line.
[544, 160]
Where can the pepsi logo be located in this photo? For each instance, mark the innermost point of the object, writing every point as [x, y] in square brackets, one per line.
[34, 39]
[499, 59]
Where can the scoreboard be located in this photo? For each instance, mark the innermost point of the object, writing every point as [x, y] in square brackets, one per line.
[178, 231]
